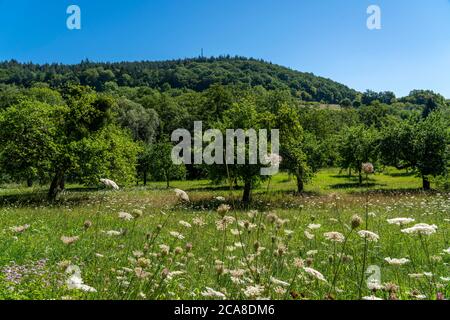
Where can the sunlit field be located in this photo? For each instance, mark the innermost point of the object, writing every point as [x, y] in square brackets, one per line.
[146, 243]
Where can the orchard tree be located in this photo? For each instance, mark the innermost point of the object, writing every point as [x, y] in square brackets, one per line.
[78, 138]
[420, 144]
[292, 145]
[242, 115]
[160, 165]
[358, 145]
[29, 132]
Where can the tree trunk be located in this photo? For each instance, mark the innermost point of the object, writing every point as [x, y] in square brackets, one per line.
[62, 183]
[29, 182]
[247, 192]
[300, 184]
[55, 186]
[145, 178]
[360, 177]
[426, 183]
[167, 180]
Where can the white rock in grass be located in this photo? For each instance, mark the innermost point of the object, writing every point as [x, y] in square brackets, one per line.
[182, 195]
[110, 184]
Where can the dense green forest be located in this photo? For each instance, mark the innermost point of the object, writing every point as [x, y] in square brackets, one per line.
[80, 123]
[195, 74]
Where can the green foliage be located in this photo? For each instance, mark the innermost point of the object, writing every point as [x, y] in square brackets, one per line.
[158, 162]
[40, 140]
[109, 152]
[419, 144]
[195, 74]
[143, 123]
[244, 116]
[29, 135]
[358, 145]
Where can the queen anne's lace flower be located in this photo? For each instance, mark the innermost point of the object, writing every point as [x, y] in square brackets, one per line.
[315, 274]
[334, 236]
[421, 229]
[369, 235]
[211, 293]
[396, 262]
[125, 216]
[401, 221]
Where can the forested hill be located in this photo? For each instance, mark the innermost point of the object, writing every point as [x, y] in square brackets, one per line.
[196, 74]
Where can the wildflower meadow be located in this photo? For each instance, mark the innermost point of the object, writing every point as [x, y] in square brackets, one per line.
[198, 242]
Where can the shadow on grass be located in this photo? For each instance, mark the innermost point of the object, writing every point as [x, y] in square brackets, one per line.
[343, 176]
[400, 174]
[356, 185]
[69, 196]
[213, 188]
[395, 192]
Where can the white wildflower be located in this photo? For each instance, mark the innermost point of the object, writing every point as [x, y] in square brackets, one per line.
[421, 229]
[75, 282]
[314, 273]
[113, 233]
[334, 236]
[401, 221]
[309, 235]
[125, 216]
[185, 224]
[279, 282]
[177, 235]
[20, 229]
[396, 262]
[69, 240]
[373, 298]
[369, 235]
[211, 293]
[273, 159]
[253, 291]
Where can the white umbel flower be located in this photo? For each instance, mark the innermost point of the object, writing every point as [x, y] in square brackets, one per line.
[401, 221]
[75, 282]
[211, 293]
[396, 262]
[421, 229]
[313, 226]
[334, 236]
[125, 216]
[372, 298]
[279, 282]
[253, 291]
[315, 274]
[273, 159]
[369, 235]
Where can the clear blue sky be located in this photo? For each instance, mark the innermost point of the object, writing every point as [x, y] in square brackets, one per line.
[326, 37]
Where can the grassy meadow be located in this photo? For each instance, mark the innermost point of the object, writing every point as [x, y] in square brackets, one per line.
[145, 243]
